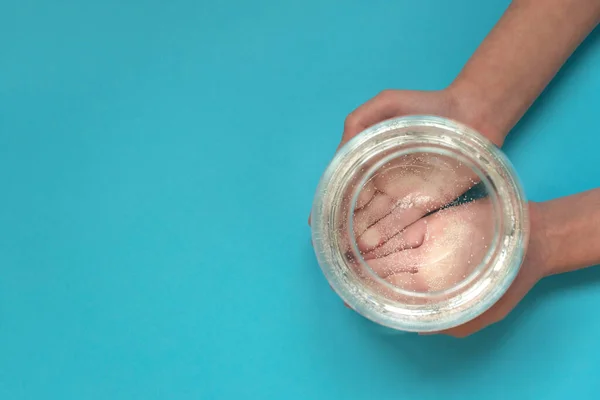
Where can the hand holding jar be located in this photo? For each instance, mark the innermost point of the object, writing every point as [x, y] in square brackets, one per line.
[404, 242]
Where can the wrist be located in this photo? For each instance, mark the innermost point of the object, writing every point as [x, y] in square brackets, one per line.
[572, 232]
[474, 109]
[540, 247]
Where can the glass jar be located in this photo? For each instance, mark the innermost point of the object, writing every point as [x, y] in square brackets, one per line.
[420, 224]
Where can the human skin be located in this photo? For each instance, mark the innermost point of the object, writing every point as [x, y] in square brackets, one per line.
[498, 84]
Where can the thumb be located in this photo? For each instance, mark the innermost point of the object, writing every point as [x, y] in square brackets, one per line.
[385, 105]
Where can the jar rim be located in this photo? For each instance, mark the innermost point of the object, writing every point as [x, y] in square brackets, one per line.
[502, 263]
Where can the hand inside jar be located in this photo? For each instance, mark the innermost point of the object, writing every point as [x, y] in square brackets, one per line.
[405, 190]
[437, 251]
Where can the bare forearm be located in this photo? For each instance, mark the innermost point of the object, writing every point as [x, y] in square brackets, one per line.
[572, 231]
[518, 59]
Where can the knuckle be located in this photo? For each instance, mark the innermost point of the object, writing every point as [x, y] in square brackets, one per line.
[458, 333]
[352, 122]
[501, 315]
[386, 95]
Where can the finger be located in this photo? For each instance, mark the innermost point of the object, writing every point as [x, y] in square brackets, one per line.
[412, 237]
[408, 281]
[366, 195]
[395, 263]
[420, 279]
[379, 206]
[402, 177]
[381, 107]
[389, 226]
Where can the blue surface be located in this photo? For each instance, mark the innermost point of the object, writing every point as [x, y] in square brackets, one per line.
[157, 166]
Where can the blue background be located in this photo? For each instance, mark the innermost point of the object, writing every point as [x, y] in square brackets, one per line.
[157, 165]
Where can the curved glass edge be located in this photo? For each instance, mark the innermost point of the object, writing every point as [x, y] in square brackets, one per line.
[361, 304]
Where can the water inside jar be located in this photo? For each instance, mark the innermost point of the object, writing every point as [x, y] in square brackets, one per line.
[422, 222]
